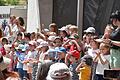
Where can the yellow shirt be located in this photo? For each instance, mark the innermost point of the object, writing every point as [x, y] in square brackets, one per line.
[85, 73]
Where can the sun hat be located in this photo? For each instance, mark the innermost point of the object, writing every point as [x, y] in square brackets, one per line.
[4, 64]
[59, 71]
[90, 30]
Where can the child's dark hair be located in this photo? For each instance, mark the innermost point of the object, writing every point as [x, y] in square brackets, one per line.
[87, 59]
[21, 21]
[27, 35]
[5, 40]
[19, 34]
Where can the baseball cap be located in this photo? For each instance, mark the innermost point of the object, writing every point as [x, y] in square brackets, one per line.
[51, 38]
[33, 43]
[21, 47]
[60, 49]
[75, 54]
[63, 28]
[51, 53]
[39, 40]
[90, 30]
[42, 44]
[4, 64]
[72, 26]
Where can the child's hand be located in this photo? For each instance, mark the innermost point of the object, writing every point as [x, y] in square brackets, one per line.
[73, 41]
[83, 63]
[25, 61]
[98, 53]
[67, 56]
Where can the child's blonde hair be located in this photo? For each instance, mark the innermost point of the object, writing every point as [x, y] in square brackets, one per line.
[73, 29]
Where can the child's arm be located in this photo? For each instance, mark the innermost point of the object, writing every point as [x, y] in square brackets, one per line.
[80, 66]
[77, 45]
[66, 59]
[66, 43]
[96, 58]
[103, 61]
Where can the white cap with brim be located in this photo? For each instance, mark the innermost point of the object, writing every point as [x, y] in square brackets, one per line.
[63, 28]
[73, 26]
[90, 30]
[4, 64]
[21, 47]
[42, 44]
[51, 38]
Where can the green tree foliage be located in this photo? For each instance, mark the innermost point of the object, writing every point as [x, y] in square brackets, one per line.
[9, 2]
[12, 2]
[2, 3]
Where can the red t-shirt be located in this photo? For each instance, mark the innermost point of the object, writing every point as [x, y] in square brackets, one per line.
[2, 50]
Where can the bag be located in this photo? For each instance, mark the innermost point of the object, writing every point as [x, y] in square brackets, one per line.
[112, 74]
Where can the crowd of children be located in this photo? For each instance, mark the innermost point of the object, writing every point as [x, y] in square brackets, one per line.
[86, 58]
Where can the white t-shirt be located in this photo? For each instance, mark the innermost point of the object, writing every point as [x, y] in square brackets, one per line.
[25, 67]
[15, 30]
[100, 67]
[31, 55]
[6, 31]
[92, 52]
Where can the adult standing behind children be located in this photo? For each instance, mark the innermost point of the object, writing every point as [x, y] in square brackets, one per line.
[115, 41]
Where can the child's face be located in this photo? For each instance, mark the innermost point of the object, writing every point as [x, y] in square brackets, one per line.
[61, 55]
[58, 42]
[32, 47]
[62, 34]
[72, 31]
[93, 44]
[51, 29]
[103, 50]
[43, 48]
[19, 37]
